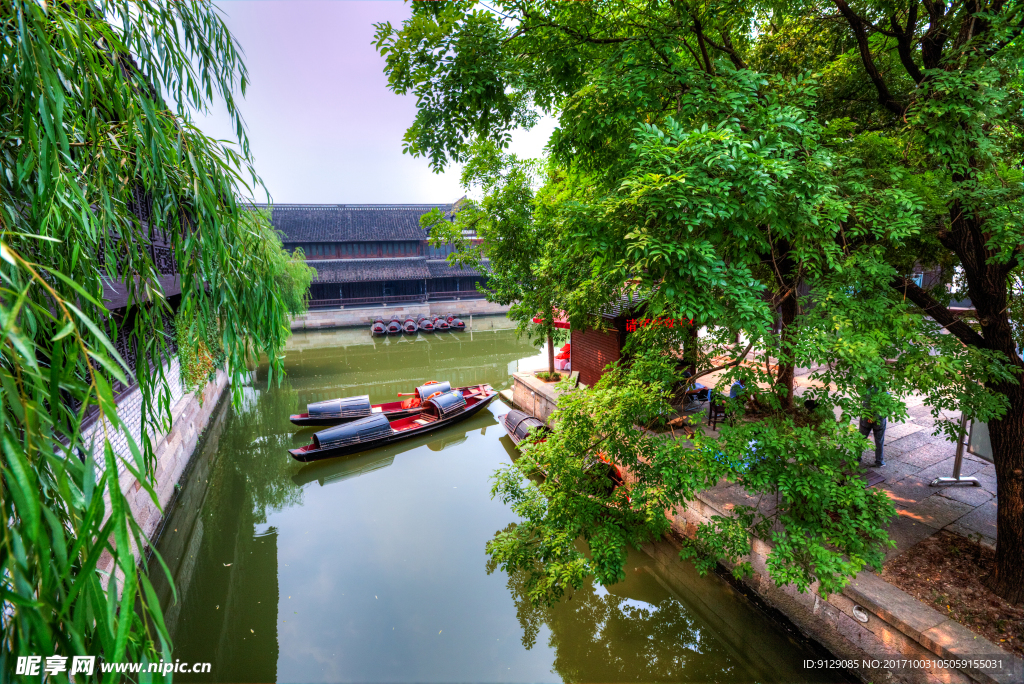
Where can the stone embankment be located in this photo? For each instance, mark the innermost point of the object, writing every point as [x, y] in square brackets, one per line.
[363, 316]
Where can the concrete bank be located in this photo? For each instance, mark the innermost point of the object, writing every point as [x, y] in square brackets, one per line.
[363, 316]
[884, 634]
[173, 451]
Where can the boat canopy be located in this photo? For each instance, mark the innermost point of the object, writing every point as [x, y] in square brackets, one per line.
[349, 407]
[362, 430]
[449, 403]
[519, 424]
[426, 390]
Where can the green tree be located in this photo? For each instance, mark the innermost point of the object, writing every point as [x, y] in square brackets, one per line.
[99, 154]
[516, 241]
[727, 158]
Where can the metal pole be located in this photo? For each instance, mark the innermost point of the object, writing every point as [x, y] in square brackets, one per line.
[958, 462]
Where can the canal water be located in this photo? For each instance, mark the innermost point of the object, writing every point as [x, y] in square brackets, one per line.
[372, 568]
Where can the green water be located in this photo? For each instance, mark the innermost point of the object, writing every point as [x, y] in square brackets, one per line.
[372, 568]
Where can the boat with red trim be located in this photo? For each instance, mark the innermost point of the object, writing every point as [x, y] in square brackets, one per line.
[336, 411]
[439, 411]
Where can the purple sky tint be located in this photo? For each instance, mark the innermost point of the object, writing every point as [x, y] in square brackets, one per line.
[323, 126]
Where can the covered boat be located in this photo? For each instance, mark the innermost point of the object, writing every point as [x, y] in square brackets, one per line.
[394, 326]
[378, 327]
[425, 324]
[455, 323]
[410, 326]
[335, 411]
[519, 425]
[367, 433]
[440, 324]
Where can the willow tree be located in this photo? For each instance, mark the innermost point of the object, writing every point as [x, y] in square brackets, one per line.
[99, 153]
[751, 167]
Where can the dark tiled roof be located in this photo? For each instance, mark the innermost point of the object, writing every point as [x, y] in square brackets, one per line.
[369, 270]
[624, 306]
[440, 268]
[350, 222]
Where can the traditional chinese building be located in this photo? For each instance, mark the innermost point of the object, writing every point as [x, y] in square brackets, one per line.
[372, 253]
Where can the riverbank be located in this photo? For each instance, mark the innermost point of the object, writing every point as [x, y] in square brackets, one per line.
[357, 317]
[880, 631]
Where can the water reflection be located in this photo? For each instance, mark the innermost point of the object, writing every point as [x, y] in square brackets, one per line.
[372, 568]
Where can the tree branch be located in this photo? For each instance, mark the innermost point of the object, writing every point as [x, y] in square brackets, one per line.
[931, 306]
[857, 24]
[739, 359]
[905, 43]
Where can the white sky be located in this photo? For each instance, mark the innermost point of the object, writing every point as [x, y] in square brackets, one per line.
[322, 124]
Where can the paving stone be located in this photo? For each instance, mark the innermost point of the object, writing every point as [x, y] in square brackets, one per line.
[969, 494]
[982, 520]
[910, 490]
[928, 454]
[893, 470]
[906, 532]
[895, 431]
[944, 468]
[935, 511]
[958, 528]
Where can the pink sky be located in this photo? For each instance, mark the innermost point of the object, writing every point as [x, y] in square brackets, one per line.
[323, 126]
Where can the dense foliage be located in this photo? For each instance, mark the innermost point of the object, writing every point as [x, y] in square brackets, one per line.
[777, 172]
[99, 160]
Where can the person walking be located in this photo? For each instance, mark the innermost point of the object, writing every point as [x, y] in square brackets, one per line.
[876, 425]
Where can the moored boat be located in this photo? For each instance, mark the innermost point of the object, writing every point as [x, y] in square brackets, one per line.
[378, 327]
[440, 323]
[439, 411]
[394, 326]
[455, 323]
[337, 411]
[425, 324]
[519, 425]
[410, 326]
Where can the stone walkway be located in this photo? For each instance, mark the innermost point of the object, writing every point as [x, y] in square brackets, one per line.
[913, 458]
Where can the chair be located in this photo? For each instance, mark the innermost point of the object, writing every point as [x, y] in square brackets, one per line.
[716, 411]
[693, 401]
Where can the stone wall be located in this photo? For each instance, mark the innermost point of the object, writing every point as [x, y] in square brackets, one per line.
[870, 622]
[363, 316]
[190, 415]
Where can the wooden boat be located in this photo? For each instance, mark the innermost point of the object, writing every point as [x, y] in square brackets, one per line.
[440, 324]
[410, 326]
[455, 323]
[368, 433]
[425, 325]
[519, 425]
[394, 326]
[378, 327]
[337, 411]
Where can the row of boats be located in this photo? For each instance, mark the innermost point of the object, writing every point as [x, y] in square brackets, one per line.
[412, 325]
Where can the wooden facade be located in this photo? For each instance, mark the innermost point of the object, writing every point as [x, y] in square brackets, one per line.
[366, 254]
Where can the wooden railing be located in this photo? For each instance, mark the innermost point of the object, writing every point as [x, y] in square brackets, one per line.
[395, 299]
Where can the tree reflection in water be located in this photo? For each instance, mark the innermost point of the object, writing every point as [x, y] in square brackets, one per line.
[636, 630]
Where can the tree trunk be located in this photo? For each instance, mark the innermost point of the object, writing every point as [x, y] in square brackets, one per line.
[551, 355]
[989, 292]
[1007, 436]
[787, 371]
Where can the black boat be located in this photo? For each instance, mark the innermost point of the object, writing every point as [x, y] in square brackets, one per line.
[367, 433]
[519, 425]
[455, 323]
[337, 411]
[410, 326]
[440, 323]
[394, 326]
[378, 327]
[425, 324]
